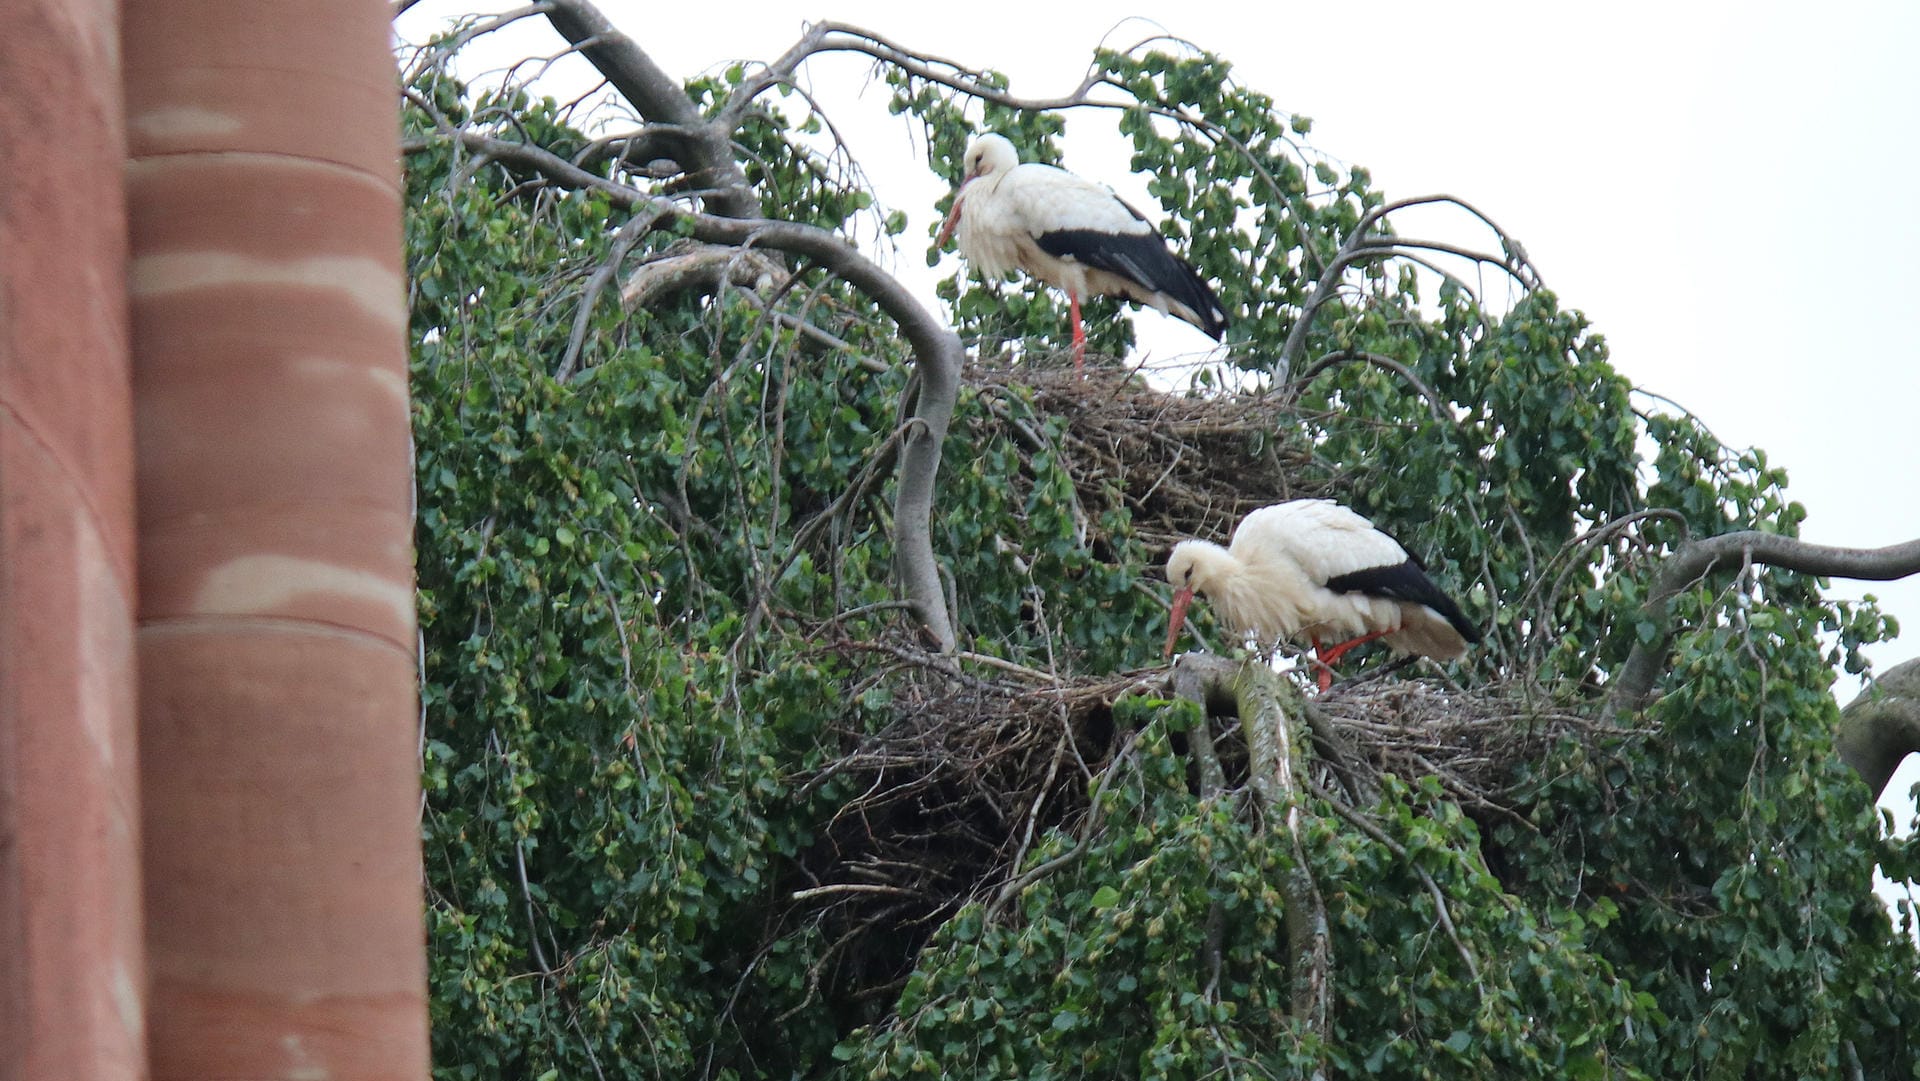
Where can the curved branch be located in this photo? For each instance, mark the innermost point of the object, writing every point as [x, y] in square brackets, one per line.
[1435, 403]
[831, 37]
[1601, 534]
[1696, 559]
[463, 31]
[1398, 247]
[938, 352]
[700, 267]
[1271, 753]
[1880, 727]
[1361, 245]
[704, 150]
[636, 227]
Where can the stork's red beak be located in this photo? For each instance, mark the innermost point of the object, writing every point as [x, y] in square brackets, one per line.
[1181, 599]
[953, 218]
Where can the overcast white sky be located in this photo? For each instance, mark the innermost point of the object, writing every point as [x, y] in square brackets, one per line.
[1727, 190]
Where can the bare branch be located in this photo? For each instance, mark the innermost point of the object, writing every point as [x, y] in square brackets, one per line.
[828, 37]
[938, 352]
[1694, 560]
[697, 267]
[636, 227]
[1361, 245]
[851, 887]
[1880, 727]
[703, 147]
[467, 30]
[1435, 404]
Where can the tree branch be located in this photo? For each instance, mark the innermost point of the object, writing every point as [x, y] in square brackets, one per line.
[938, 352]
[1271, 751]
[828, 37]
[1187, 684]
[699, 267]
[636, 227]
[1880, 727]
[1435, 404]
[1694, 560]
[1361, 245]
[703, 147]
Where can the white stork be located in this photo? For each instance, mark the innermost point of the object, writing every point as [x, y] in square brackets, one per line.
[1312, 568]
[1072, 234]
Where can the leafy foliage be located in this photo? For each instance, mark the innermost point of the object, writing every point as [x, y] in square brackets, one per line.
[634, 586]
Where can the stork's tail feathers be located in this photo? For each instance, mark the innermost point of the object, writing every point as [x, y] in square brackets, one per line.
[1208, 315]
[1163, 279]
[1407, 582]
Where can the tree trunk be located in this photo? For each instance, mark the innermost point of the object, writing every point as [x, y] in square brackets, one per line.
[276, 637]
[72, 974]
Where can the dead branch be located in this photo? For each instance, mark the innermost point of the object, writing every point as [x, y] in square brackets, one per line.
[1435, 404]
[1881, 726]
[698, 267]
[704, 148]
[1362, 245]
[1694, 560]
[938, 352]
[630, 234]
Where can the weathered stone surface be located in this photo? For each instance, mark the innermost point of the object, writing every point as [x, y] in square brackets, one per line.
[72, 986]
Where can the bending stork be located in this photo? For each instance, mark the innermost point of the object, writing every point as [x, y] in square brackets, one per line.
[1312, 568]
[1072, 234]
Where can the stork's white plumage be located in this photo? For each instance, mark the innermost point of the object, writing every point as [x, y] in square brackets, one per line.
[1072, 234]
[1313, 569]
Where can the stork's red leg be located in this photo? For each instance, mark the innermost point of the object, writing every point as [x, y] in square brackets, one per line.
[1333, 654]
[1326, 659]
[1323, 673]
[1079, 334]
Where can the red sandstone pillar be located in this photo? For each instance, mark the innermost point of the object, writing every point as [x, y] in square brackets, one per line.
[72, 984]
[276, 626]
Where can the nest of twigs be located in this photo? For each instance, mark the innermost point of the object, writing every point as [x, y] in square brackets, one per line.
[1183, 466]
[984, 757]
[980, 762]
[944, 801]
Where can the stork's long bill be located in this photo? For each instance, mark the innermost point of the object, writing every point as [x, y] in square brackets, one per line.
[953, 215]
[1181, 599]
[953, 219]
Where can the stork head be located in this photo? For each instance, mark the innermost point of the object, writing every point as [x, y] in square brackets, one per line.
[1191, 568]
[987, 155]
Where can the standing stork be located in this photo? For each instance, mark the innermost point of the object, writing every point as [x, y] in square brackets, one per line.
[1313, 568]
[1072, 234]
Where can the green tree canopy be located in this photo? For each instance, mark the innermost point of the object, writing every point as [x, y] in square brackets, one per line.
[708, 794]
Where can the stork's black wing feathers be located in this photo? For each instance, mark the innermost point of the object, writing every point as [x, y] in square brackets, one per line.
[1143, 259]
[1406, 582]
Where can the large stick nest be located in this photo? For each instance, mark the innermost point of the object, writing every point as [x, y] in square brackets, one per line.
[982, 759]
[1184, 466]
